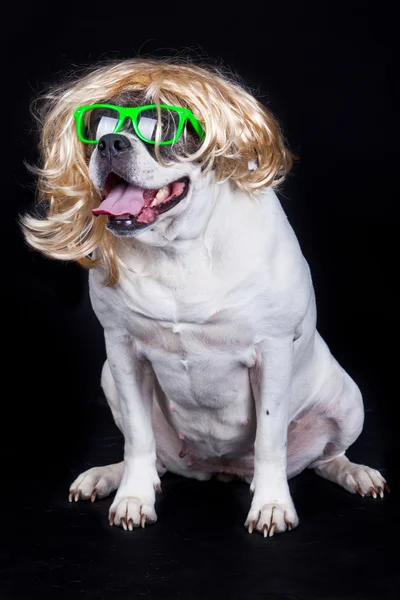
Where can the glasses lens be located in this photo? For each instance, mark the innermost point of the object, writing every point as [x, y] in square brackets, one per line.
[147, 122]
[99, 122]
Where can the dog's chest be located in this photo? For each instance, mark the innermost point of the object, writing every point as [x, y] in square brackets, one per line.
[192, 297]
[195, 331]
[194, 323]
[200, 346]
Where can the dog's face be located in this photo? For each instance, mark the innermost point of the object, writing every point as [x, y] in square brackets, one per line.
[139, 193]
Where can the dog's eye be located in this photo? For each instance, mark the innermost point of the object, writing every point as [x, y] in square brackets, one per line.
[147, 122]
[99, 122]
[147, 127]
[106, 125]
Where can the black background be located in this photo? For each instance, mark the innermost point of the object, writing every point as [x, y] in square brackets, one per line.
[328, 73]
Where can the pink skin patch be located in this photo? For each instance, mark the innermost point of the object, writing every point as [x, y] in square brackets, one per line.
[147, 215]
[183, 452]
[182, 436]
[123, 199]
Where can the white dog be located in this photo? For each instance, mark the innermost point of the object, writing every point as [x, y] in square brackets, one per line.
[214, 365]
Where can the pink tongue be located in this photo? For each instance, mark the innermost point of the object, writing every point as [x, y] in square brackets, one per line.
[123, 199]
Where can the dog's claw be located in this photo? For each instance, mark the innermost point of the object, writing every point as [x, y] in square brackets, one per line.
[77, 495]
[387, 489]
[130, 524]
[380, 491]
[373, 492]
[251, 526]
[265, 530]
[289, 525]
[123, 523]
[158, 489]
[93, 495]
[112, 517]
[359, 491]
[272, 530]
[143, 521]
[71, 495]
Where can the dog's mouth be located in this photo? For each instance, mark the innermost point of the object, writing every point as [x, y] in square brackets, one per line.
[129, 207]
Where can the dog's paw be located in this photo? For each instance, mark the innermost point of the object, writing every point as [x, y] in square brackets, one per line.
[363, 480]
[272, 510]
[98, 482]
[356, 479]
[271, 517]
[129, 511]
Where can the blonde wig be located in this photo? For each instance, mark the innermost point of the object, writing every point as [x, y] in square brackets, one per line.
[238, 129]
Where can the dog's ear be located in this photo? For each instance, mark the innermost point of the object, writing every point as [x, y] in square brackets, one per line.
[258, 156]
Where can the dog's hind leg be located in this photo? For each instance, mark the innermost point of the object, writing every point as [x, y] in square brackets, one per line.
[347, 415]
[319, 438]
[99, 482]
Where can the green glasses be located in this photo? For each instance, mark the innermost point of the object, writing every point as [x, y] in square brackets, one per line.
[96, 120]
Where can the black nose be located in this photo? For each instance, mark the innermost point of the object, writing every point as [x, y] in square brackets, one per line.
[113, 144]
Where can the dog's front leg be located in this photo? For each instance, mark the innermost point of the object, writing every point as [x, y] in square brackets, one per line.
[134, 501]
[272, 509]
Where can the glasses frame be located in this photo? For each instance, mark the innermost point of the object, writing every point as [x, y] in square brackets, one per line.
[133, 112]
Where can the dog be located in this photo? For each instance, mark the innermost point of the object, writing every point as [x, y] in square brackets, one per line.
[160, 177]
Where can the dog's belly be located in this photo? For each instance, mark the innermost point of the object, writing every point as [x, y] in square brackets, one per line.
[203, 385]
[208, 401]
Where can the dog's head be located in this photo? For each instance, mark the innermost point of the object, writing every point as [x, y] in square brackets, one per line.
[129, 149]
[141, 163]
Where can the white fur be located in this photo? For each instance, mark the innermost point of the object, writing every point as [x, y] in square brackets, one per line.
[212, 349]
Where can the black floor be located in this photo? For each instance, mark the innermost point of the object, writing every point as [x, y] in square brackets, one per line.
[344, 548]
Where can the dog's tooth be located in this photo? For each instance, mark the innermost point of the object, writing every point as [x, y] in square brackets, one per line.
[164, 191]
[161, 195]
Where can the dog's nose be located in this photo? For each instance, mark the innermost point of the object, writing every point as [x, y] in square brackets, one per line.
[113, 144]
